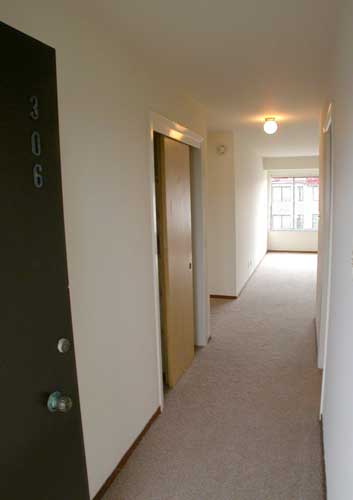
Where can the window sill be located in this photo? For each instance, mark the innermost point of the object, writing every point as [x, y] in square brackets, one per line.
[293, 230]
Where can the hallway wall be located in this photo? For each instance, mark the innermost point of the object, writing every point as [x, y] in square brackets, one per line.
[250, 208]
[338, 403]
[221, 214]
[237, 211]
[323, 257]
[105, 96]
[293, 241]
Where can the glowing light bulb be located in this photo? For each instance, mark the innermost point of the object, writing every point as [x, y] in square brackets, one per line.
[270, 126]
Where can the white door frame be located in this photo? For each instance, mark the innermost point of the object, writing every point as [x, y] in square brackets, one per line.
[327, 258]
[169, 128]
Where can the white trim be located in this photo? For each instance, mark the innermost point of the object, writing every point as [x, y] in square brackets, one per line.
[329, 127]
[328, 120]
[174, 130]
[294, 172]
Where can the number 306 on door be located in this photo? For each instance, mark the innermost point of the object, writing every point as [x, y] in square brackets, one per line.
[38, 178]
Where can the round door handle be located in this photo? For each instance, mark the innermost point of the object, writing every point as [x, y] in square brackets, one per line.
[64, 345]
[57, 402]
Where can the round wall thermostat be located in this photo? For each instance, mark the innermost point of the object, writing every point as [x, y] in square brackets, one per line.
[221, 149]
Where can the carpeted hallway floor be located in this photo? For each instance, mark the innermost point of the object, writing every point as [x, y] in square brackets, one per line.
[242, 424]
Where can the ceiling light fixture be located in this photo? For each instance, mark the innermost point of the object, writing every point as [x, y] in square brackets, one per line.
[270, 125]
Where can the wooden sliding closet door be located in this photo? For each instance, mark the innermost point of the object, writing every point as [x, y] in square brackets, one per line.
[175, 255]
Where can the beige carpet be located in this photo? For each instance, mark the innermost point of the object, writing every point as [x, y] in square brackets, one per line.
[242, 424]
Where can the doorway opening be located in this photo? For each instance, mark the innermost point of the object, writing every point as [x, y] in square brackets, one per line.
[184, 264]
[174, 244]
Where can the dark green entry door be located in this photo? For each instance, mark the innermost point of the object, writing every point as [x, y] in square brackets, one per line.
[42, 454]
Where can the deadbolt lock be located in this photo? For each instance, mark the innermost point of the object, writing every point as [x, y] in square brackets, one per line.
[64, 345]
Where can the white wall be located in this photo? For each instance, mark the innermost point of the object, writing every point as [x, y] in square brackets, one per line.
[338, 403]
[250, 208]
[298, 166]
[293, 241]
[237, 211]
[221, 215]
[104, 102]
[291, 162]
[325, 237]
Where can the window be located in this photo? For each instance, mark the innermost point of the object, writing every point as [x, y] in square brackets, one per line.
[315, 193]
[294, 203]
[299, 221]
[281, 222]
[315, 222]
[300, 193]
[282, 193]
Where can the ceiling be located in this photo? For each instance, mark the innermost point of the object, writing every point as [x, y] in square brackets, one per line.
[241, 59]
